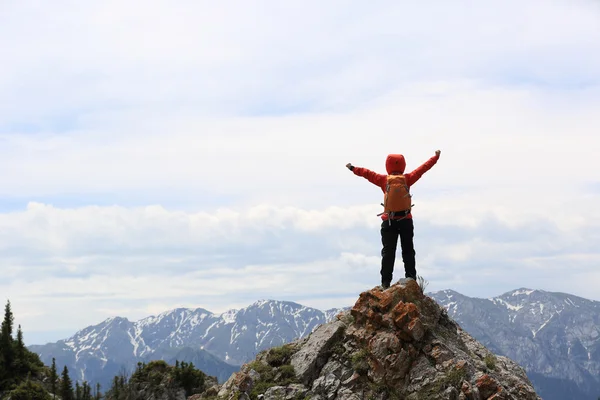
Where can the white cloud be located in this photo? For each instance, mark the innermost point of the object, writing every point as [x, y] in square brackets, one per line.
[491, 140]
[97, 261]
[193, 154]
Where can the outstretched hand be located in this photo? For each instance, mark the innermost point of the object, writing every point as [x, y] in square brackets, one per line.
[437, 153]
[349, 166]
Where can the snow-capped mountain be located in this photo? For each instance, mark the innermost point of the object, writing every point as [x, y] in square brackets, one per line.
[554, 336]
[221, 342]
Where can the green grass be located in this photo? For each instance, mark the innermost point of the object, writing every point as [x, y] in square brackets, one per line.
[281, 355]
[359, 361]
[490, 361]
[277, 371]
[338, 348]
[455, 376]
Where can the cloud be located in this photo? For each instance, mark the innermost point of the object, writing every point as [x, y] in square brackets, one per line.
[93, 261]
[71, 63]
[192, 154]
[492, 140]
[103, 129]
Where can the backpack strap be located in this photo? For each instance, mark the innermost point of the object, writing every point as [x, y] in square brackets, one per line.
[392, 214]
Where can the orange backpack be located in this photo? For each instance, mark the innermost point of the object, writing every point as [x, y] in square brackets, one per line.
[397, 197]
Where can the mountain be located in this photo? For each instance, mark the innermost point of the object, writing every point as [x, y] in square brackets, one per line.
[393, 344]
[216, 343]
[554, 336]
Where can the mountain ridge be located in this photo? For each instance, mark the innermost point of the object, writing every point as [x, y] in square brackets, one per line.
[392, 344]
[555, 336]
[527, 318]
[98, 352]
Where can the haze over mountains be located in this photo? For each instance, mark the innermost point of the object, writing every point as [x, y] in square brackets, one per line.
[554, 336]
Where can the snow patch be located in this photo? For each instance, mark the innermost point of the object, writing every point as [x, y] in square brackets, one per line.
[508, 305]
[569, 301]
[133, 342]
[229, 316]
[451, 307]
[525, 291]
[80, 351]
[542, 327]
[210, 327]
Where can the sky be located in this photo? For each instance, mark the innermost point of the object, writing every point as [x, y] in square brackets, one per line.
[165, 154]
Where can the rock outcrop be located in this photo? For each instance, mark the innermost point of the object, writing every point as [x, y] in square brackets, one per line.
[393, 344]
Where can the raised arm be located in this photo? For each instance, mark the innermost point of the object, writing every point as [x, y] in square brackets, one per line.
[415, 175]
[371, 176]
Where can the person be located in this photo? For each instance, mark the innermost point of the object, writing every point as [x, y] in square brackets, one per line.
[399, 223]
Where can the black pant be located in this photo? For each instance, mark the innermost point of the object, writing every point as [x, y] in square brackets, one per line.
[389, 238]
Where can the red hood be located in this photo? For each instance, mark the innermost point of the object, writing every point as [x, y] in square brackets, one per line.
[395, 163]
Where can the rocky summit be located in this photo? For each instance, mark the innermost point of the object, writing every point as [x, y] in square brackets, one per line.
[393, 344]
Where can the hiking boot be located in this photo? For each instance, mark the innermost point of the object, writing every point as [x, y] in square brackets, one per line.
[385, 285]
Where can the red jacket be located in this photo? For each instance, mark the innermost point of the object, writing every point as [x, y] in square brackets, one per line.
[395, 163]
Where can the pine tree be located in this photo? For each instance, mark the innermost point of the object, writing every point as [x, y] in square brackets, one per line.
[7, 370]
[116, 390]
[189, 377]
[28, 390]
[78, 392]
[8, 320]
[53, 378]
[20, 343]
[6, 340]
[66, 387]
[20, 363]
[98, 395]
[86, 391]
[17, 363]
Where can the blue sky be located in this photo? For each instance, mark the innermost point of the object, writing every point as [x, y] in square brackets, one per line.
[159, 155]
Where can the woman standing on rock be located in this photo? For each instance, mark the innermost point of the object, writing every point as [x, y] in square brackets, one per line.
[397, 217]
